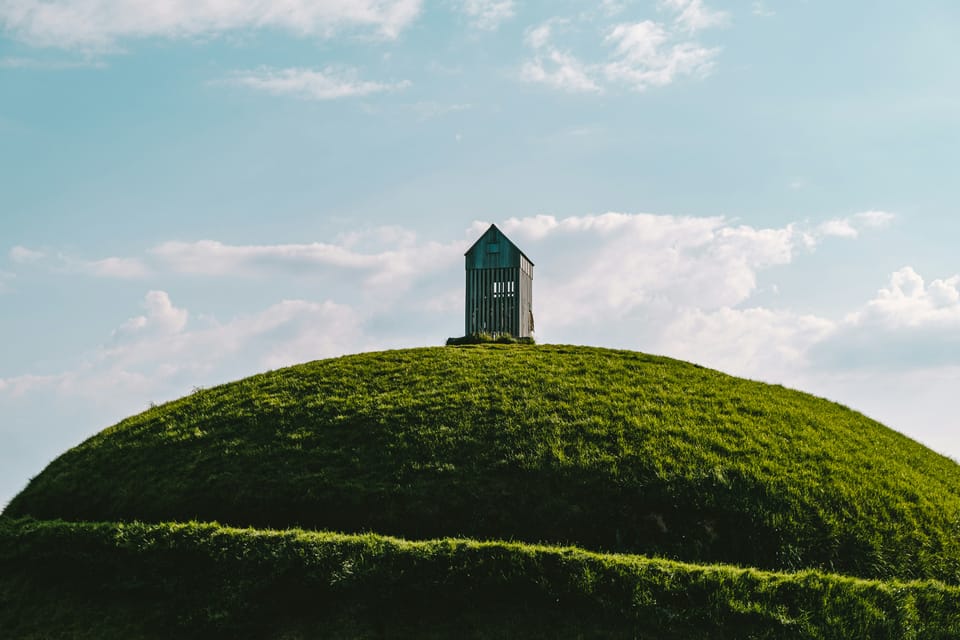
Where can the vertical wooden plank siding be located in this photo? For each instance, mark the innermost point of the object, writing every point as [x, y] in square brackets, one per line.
[498, 301]
[499, 287]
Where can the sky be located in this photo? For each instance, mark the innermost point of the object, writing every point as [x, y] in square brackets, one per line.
[193, 191]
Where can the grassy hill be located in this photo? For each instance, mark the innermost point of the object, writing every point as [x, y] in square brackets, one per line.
[616, 453]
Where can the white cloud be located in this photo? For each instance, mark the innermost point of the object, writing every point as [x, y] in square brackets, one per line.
[39, 64]
[874, 219]
[682, 286]
[841, 228]
[111, 267]
[447, 302]
[694, 15]
[314, 330]
[643, 57]
[22, 255]
[384, 257]
[124, 268]
[538, 37]
[638, 43]
[158, 352]
[103, 24]
[378, 258]
[488, 14]
[18, 386]
[553, 67]
[628, 263]
[850, 227]
[161, 317]
[559, 70]
[754, 342]
[908, 324]
[909, 302]
[643, 54]
[329, 83]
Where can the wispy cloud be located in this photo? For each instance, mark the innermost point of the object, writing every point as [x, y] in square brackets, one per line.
[123, 268]
[645, 57]
[874, 219]
[851, 226]
[551, 66]
[101, 25]
[693, 15]
[642, 54]
[612, 7]
[560, 70]
[394, 264]
[23, 255]
[377, 257]
[109, 267]
[329, 83]
[488, 14]
[41, 64]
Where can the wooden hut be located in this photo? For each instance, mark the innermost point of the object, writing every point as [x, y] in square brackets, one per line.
[499, 287]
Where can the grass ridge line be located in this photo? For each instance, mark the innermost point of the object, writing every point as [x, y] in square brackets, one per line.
[225, 581]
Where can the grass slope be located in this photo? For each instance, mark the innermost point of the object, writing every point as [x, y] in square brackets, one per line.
[608, 450]
[97, 580]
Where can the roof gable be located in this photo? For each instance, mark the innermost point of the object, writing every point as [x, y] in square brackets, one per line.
[493, 249]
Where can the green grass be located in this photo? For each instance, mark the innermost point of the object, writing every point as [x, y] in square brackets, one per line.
[95, 580]
[486, 338]
[627, 496]
[608, 450]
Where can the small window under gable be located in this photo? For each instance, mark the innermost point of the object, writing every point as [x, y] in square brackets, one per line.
[493, 247]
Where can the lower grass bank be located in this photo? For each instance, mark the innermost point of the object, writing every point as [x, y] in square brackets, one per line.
[135, 580]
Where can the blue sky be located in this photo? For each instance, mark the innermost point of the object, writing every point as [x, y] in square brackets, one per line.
[191, 192]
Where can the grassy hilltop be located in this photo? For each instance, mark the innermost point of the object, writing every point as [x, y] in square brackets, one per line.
[586, 462]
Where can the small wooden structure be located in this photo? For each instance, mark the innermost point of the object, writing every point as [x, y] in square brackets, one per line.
[499, 287]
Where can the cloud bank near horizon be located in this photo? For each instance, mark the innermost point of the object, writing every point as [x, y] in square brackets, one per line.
[678, 285]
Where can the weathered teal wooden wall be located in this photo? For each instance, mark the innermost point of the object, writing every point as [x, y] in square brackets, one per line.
[499, 287]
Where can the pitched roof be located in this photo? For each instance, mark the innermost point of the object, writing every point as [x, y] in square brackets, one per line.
[486, 233]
